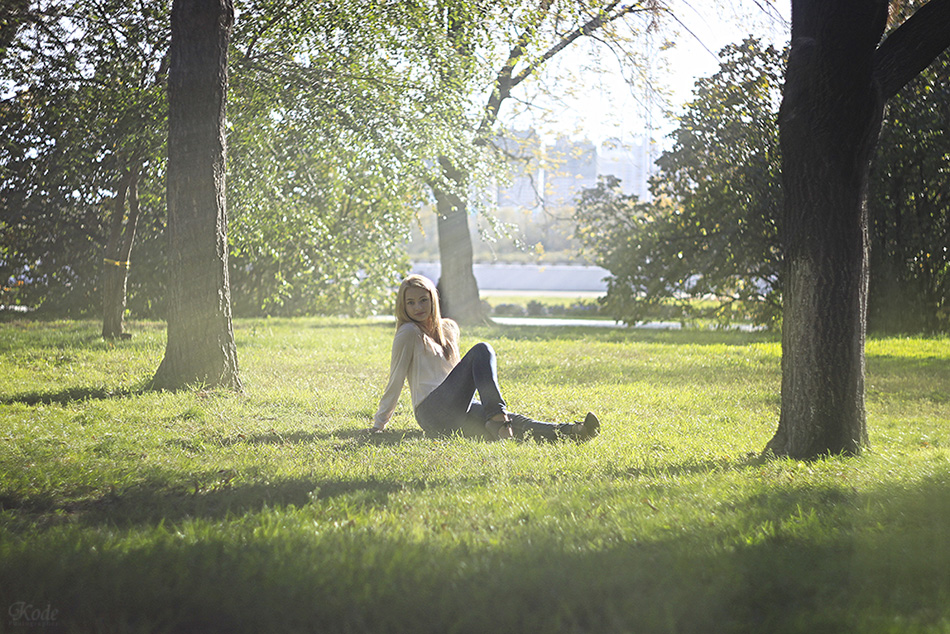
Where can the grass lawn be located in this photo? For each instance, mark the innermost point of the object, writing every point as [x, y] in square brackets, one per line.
[271, 511]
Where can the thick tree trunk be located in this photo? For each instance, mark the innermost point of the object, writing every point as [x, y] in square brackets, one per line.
[458, 288]
[115, 272]
[836, 84]
[200, 347]
[829, 121]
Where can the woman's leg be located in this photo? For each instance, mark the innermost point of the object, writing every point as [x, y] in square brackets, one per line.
[524, 427]
[452, 407]
[447, 408]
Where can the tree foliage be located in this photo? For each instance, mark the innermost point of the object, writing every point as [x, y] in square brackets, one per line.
[712, 228]
[335, 109]
[314, 228]
[909, 205]
[82, 105]
[521, 39]
[715, 223]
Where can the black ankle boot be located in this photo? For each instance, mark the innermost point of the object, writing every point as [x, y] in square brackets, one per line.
[591, 427]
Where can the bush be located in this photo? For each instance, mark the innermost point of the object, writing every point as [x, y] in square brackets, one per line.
[509, 310]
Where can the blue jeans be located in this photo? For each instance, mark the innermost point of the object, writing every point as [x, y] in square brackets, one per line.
[451, 408]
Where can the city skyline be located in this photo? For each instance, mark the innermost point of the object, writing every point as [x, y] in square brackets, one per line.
[549, 175]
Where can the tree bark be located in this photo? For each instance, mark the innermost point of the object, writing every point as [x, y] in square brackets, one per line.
[458, 288]
[200, 346]
[829, 122]
[913, 47]
[115, 272]
[837, 81]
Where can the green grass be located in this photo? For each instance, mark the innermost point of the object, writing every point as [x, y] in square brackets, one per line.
[202, 511]
[697, 313]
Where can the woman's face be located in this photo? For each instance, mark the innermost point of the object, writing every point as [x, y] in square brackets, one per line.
[418, 304]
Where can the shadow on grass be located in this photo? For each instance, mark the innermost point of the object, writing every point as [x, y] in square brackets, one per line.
[215, 496]
[167, 498]
[356, 436]
[170, 497]
[872, 564]
[624, 335]
[922, 378]
[69, 395]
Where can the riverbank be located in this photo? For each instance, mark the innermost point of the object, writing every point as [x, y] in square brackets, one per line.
[541, 278]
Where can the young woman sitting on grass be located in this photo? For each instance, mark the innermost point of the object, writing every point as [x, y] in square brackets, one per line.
[442, 386]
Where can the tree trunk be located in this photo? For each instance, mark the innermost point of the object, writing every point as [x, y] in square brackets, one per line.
[836, 84]
[200, 346]
[829, 121]
[458, 289]
[115, 272]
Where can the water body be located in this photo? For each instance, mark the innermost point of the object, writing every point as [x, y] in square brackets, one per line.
[575, 280]
[584, 323]
[527, 278]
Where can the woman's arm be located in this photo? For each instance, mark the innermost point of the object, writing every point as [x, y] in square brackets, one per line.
[399, 363]
[451, 330]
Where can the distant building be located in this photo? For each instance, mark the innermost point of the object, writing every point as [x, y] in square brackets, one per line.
[628, 161]
[568, 167]
[523, 150]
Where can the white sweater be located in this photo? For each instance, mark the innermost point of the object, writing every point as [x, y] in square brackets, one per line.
[417, 357]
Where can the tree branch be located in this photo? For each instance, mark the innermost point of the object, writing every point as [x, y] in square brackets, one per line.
[912, 47]
[586, 29]
[503, 81]
[507, 79]
[278, 15]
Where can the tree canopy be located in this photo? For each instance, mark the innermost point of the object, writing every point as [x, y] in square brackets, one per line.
[82, 105]
[336, 109]
[714, 225]
[909, 206]
[524, 36]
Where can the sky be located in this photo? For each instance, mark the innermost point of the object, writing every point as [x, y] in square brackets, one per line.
[606, 106]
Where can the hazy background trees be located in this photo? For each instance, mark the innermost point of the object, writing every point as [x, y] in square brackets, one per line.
[510, 43]
[713, 228]
[82, 114]
[337, 112]
[909, 206]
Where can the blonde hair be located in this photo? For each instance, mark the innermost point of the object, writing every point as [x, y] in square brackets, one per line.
[444, 332]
